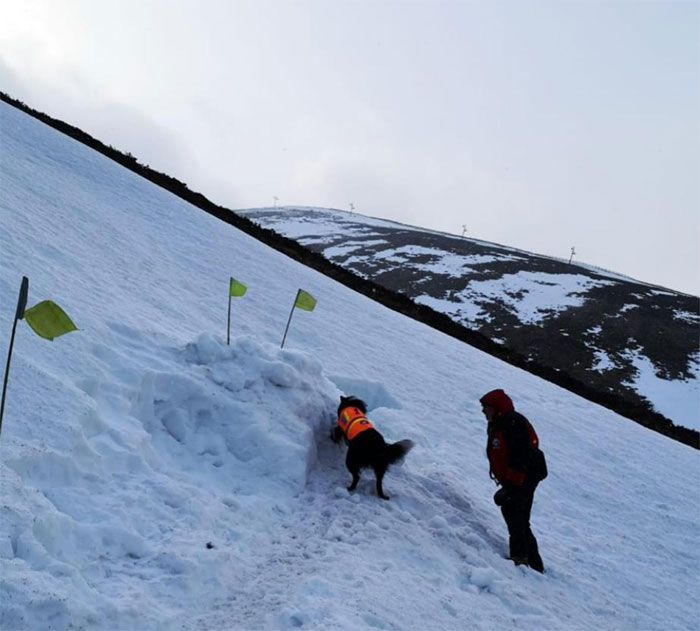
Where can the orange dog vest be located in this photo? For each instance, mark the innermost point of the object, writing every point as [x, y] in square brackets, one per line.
[353, 422]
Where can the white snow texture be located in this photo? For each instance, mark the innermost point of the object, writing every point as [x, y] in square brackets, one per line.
[153, 477]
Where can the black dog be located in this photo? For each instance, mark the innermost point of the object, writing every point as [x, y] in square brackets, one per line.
[366, 446]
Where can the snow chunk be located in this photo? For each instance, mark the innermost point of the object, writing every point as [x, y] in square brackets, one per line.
[247, 412]
[483, 577]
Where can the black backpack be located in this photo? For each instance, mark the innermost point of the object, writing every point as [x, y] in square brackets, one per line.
[538, 465]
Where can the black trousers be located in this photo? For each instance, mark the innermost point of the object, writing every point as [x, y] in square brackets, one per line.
[516, 511]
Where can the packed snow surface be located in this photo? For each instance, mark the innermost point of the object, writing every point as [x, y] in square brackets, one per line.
[153, 477]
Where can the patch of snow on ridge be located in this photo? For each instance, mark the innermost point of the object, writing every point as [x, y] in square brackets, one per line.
[349, 246]
[672, 398]
[298, 228]
[686, 316]
[443, 262]
[406, 252]
[343, 216]
[464, 310]
[534, 296]
[658, 292]
[482, 259]
[450, 265]
[603, 362]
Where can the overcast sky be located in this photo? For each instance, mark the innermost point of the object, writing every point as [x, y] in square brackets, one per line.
[540, 125]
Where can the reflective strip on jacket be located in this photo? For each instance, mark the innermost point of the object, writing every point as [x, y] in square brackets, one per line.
[353, 422]
[498, 454]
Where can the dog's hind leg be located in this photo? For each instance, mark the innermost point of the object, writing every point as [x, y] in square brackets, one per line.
[354, 469]
[355, 480]
[379, 472]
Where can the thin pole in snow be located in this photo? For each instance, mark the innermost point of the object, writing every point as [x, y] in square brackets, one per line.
[291, 313]
[573, 251]
[19, 314]
[228, 322]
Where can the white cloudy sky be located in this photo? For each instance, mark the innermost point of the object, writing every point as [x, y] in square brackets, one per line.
[540, 125]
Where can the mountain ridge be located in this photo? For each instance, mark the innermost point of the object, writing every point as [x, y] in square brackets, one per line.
[603, 328]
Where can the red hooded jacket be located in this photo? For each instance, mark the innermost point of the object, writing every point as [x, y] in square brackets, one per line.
[511, 440]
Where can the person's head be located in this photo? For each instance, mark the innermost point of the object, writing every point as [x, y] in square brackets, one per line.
[489, 412]
[495, 404]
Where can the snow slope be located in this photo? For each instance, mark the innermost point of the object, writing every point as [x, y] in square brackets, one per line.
[154, 478]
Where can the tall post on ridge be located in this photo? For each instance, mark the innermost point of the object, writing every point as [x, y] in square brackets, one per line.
[573, 251]
[19, 314]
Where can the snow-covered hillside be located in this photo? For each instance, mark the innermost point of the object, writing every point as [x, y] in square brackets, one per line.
[607, 331]
[154, 478]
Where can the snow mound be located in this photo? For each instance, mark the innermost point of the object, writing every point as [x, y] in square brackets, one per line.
[150, 458]
[244, 412]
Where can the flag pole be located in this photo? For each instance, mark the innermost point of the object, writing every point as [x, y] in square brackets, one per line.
[291, 313]
[19, 314]
[228, 324]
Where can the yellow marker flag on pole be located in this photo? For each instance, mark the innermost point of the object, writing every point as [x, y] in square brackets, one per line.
[48, 320]
[305, 301]
[236, 289]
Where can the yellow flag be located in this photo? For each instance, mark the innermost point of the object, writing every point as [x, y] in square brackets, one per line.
[305, 301]
[236, 289]
[48, 320]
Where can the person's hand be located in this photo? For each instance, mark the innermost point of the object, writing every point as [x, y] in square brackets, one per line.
[500, 497]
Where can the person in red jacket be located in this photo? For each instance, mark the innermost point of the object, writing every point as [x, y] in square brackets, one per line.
[518, 466]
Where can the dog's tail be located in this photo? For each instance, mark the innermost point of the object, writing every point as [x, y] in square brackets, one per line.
[396, 451]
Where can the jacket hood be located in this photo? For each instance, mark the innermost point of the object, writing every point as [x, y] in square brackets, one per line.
[499, 400]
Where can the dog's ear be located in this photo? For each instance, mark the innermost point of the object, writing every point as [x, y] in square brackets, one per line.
[352, 401]
[345, 402]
